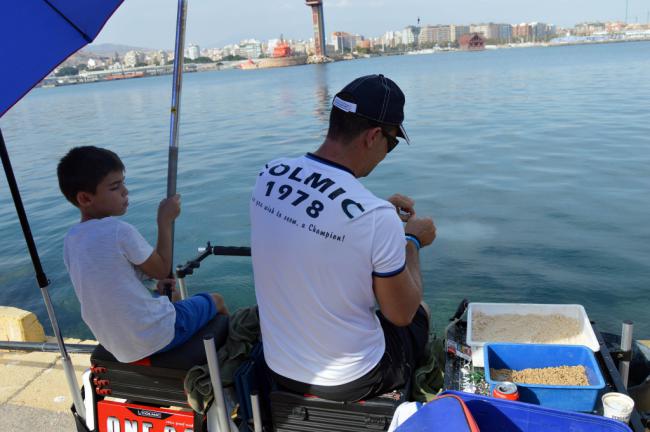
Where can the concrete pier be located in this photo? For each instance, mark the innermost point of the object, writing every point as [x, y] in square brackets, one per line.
[33, 391]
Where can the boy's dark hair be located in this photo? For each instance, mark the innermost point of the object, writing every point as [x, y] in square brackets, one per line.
[345, 126]
[83, 168]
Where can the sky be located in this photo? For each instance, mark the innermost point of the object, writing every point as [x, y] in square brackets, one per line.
[213, 23]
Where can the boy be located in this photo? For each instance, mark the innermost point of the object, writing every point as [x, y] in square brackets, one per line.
[106, 258]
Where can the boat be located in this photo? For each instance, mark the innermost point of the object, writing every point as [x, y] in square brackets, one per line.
[124, 75]
[282, 56]
[422, 51]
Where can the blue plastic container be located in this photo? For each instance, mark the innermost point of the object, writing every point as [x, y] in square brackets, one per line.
[498, 415]
[524, 356]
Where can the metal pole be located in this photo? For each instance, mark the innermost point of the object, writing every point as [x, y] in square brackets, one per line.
[179, 55]
[43, 282]
[626, 347]
[46, 347]
[257, 414]
[215, 379]
[182, 287]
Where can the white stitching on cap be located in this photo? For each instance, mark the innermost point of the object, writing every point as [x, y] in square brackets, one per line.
[386, 99]
[361, 82]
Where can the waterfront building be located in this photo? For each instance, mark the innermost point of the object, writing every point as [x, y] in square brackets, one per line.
[213, 54]
[391, 39]
[364, 44]
[270, 46]
[426, 35]
[132, 58]
[522, 32]
[250, 48]
[345, 42]
[300, 47]
[540, 31]
[614, 27]
[493, 31]
[504, 32]
[95, 63]
[231, 50]
[193, 52]
[472, 42]
[434, 34]
[410, 35]
[533, 32]
[456, 31]
[159, 57]
[589, 28]
[485, 30]
[318, 42]
[116, 66]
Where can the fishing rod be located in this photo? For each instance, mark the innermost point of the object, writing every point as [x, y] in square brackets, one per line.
[172, 164]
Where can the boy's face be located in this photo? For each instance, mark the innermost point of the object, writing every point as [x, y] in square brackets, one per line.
[110, 198]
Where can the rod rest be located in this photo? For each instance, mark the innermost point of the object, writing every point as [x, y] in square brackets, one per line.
[188, 268]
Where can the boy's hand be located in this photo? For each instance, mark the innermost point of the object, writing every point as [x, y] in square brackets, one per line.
[165, 283]
[169, 209]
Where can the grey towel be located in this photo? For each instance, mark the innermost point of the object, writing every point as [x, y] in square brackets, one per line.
[243, 334]
[198, 388]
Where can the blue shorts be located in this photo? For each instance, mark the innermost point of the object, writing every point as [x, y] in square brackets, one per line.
[191, 315]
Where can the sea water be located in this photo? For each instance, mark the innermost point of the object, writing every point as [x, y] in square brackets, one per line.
[534, 163]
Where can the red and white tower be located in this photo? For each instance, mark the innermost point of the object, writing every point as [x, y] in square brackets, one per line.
[319, 26]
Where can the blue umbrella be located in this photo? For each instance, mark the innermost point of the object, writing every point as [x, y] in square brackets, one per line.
[37, 35]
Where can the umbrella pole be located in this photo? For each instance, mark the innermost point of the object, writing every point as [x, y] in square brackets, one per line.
[43, 282]
[172, 166]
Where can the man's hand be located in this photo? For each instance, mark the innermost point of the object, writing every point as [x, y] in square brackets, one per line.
[422, 228]
[169, 209]
[405, 206]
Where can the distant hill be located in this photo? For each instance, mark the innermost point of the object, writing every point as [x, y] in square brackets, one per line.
[108, 49]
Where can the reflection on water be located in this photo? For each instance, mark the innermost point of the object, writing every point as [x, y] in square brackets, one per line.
[323, 97]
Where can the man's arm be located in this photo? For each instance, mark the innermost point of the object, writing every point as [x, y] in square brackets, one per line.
[159, 262]
[400, 296]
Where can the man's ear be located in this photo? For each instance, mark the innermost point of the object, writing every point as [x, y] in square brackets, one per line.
[372, 137]
[84, 199]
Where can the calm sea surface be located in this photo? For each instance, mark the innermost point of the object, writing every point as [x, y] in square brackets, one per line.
[534, 163]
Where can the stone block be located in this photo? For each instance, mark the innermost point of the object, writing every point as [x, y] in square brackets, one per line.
[18, 325]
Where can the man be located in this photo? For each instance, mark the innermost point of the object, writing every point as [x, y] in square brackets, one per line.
[326, 251]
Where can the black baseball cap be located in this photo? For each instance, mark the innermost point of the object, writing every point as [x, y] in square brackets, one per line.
[376, 98]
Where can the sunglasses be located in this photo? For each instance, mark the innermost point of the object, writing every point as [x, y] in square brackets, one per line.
[391, 141]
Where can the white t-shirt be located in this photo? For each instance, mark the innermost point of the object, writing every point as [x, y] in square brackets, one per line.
[318, 236]
[101, 255]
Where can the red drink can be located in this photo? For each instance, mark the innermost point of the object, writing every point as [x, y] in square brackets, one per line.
[506, 390]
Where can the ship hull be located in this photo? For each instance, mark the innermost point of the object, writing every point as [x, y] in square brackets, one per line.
[274, 62]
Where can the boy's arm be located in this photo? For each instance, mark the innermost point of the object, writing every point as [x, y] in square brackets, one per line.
[159, 264]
